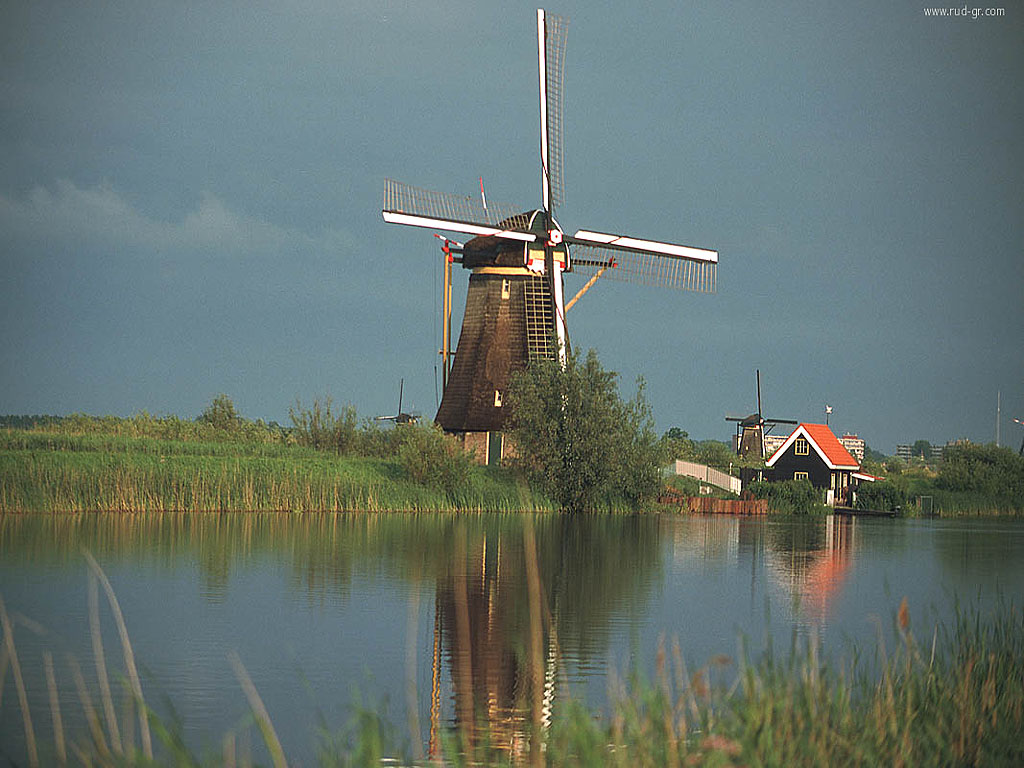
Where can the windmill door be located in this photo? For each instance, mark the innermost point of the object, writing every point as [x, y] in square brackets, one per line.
[494, 441]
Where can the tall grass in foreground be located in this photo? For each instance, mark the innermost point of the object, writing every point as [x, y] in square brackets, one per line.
[956, 699]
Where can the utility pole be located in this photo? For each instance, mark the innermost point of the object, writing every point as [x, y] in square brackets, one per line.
[999, 404]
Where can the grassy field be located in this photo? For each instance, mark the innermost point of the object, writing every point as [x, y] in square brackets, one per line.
[44, 471]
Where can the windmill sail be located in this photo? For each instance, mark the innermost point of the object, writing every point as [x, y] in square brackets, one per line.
[643, 267]
[553, 32]
[405, 204]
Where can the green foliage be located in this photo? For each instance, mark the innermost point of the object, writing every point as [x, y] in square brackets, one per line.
[884, 495]
[50, 472]
[432, 458]
[322, 428]
[221, 414]
[715, 453]
[921, 449]
[676, 444]
[789, 497]
[578, 440]
[893, 465]
[997, 472]
[145, 425]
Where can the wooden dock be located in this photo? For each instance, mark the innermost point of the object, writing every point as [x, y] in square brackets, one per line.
[706, 505]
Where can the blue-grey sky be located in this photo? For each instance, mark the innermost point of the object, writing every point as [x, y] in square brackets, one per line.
[190, 202]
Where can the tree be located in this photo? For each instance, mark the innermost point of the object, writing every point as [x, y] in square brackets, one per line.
[677, 444]
[921, 449]
[221, 414]
[577, 439]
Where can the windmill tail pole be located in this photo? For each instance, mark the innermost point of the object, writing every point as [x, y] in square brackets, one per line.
[588, 285]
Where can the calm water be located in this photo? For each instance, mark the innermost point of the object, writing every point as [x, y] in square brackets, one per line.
[325, 610]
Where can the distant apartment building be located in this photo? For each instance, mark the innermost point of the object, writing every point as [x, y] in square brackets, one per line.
[772, 443]
[936, 454]
[854, 444]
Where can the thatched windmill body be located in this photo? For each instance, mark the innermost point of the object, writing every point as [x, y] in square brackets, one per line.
[515, 304]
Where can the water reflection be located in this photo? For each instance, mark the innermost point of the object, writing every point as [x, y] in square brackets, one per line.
[809, 563]
[518, 598]
[487, 643]
[804, 560]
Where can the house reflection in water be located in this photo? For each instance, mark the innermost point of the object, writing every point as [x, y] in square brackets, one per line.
[812, 571]
[805, 561]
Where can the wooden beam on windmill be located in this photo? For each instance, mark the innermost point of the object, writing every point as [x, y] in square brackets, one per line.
[519, 259]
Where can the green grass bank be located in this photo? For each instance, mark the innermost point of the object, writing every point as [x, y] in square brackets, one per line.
[60, 471]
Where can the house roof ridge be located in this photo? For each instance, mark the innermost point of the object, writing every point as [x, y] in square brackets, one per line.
[825, 444]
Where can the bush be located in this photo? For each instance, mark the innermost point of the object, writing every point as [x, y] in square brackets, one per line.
[884, 495]
[578, 440]
[379, 443]
[998, 472]
[220, 414]
[790, 497]
[321, 428]
[432, 458]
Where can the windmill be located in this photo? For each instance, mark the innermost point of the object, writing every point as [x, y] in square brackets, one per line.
[515, 304]
[750, 430]
[400, 418]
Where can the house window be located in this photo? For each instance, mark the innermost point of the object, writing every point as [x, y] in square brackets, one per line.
[801, 448]
[497, 398]
[506, 288]
[800, 476]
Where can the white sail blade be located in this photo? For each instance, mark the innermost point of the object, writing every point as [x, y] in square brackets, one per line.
[451, 225]
[542, 73]
[601, 239]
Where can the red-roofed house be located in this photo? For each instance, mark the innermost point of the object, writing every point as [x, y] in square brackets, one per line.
[813, 453]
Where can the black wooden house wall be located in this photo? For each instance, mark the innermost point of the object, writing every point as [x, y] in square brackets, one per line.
[817, 470]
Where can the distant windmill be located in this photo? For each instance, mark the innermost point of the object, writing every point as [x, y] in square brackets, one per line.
[400, 418]
[750, 430]
[515, 304]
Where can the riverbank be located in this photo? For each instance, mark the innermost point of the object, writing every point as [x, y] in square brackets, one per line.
[43, 471]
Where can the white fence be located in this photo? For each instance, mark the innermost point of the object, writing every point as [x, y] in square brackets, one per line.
[706, 474]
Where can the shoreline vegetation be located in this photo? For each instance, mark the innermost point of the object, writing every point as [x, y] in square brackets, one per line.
[328, 461]
[955, 699]
[52, 472]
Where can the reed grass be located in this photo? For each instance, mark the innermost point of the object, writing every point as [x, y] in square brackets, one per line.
[51, 472]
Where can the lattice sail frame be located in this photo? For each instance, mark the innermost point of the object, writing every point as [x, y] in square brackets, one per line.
[556, 37]
[404, 198]
[645, 268]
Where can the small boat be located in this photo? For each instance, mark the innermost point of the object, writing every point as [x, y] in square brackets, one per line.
[853, 512]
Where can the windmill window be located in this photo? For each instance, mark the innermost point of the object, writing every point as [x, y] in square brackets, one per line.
[801, 448]
[497, 398]
[800, 476]
[506, 288]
